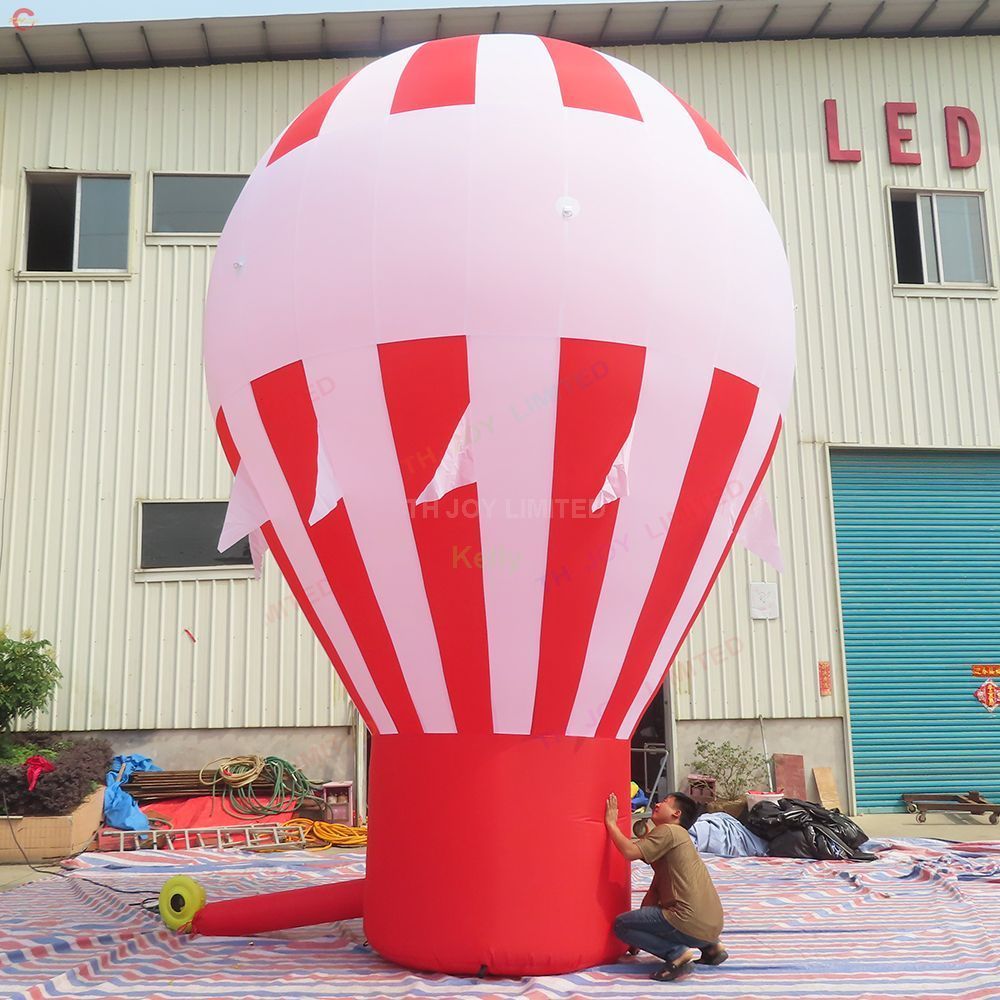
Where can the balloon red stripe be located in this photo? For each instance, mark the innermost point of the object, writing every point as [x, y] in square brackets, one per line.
[226, 438]
[589, 82]
[439, 74]
[426, 386]
[725, 555]
[596, 401]
[285, 565]
[713, 140]
[299, 592]
[723, 428]
[309, 122]
[289, 419]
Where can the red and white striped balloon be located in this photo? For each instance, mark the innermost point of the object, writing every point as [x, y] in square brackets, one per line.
[499, 338]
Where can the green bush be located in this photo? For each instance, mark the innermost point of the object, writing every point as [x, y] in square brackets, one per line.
[81, 765]
[28, 679]
[19, 753]
[735, 769]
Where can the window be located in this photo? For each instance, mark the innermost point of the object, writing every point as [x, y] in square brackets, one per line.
[939, 238]
[185, 535]
[77, 223]
[194, 203]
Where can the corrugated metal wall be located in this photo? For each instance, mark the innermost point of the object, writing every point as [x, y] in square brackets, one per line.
[105, 396]
[918, 545]
[103, 387]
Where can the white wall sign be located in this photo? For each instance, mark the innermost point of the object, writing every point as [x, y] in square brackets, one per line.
[763, 601]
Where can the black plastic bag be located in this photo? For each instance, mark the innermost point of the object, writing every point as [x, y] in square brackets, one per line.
[797, 829]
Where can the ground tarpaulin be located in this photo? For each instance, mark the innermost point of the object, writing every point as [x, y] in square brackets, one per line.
[918, 923]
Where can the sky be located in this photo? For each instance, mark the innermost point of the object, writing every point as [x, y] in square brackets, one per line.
[90, 11]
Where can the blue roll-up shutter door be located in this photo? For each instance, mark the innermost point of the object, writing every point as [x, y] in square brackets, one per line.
[918, 547]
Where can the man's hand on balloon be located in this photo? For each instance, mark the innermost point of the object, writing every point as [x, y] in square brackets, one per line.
[611, 811]
[625, 846]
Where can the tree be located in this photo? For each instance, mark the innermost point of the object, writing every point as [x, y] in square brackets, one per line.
[28, 678]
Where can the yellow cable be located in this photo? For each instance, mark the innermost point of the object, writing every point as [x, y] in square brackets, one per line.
[326, 835]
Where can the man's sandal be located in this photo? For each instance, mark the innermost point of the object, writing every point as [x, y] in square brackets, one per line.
[668, 972]
[716, 957]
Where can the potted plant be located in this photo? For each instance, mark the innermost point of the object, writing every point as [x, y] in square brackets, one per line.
[735, 769]
[50, 787]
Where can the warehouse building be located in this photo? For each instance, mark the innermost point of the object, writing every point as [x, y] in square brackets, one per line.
[870, 129]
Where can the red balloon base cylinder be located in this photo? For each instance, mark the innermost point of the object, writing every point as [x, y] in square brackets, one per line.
[489, 853]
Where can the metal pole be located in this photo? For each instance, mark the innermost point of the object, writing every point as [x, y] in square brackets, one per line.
[360, 769]
[763, 743]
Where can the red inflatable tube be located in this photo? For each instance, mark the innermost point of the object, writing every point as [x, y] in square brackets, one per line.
[277, 910]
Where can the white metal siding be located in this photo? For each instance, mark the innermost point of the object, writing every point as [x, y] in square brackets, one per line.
[104, 391]
[104, 394]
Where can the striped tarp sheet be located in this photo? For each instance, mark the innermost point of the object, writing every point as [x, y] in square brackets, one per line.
[918, 923]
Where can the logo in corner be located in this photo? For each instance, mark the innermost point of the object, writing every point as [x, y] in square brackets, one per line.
[22, 19]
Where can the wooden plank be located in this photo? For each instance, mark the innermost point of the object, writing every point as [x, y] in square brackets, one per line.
[826, 787]
[790, 775]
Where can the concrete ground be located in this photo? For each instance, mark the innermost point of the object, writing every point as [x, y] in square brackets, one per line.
[11, 876]
[939, 826]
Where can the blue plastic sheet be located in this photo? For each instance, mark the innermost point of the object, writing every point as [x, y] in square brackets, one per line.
[724, 835]
[120, 810]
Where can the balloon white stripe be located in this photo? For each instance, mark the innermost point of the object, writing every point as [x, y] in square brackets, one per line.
[514, 474]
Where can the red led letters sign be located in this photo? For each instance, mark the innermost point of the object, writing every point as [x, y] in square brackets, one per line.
[963, 135]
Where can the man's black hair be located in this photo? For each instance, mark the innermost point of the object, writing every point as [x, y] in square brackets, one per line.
[688, 807]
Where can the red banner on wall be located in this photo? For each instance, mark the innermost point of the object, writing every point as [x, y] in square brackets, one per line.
[825, 679]
[988, 695]
[986, 670]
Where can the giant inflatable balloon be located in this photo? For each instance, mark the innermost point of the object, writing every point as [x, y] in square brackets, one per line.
[498, 341]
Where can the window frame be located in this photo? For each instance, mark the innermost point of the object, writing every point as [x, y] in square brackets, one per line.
[155, 238]
[938, 289]
[162, 574]
[101, 273]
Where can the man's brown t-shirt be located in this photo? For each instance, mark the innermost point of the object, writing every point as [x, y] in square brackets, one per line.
[681, 881]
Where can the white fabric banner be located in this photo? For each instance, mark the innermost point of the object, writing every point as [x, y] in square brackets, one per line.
[245, 513]
[457, 466]
[758, 534]
[328, 491]
[616, 483]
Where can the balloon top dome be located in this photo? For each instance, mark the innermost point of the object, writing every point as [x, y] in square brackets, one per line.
[500, 335]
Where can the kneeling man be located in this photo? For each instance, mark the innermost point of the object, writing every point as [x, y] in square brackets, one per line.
[681, 910]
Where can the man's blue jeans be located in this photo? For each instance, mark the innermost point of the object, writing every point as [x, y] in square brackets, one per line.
[647, 928]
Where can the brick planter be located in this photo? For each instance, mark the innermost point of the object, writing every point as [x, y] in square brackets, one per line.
[51, 838]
